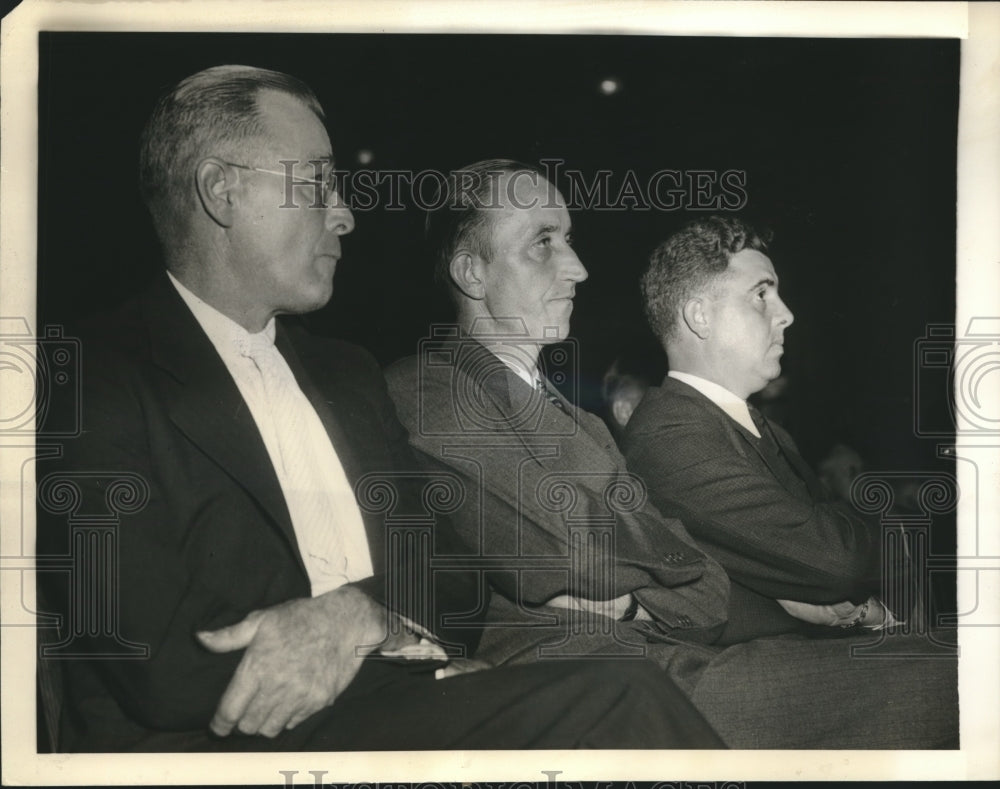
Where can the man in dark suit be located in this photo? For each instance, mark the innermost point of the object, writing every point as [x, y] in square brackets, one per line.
[799, 560]
[238, 582]
[548, 505]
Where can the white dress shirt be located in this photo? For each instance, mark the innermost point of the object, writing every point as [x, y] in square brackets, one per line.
[531, 377]
[732, 404]
[344, 559]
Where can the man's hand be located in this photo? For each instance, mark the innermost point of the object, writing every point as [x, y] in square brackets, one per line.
[613, 609]
[461, 666]
[831, 615]
[842, 614]
[299, 656]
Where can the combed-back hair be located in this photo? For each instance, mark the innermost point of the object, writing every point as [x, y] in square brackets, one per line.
[460, 218]
[688, 261]
[212, 113]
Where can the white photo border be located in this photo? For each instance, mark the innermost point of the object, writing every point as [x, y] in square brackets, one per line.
[978, 262]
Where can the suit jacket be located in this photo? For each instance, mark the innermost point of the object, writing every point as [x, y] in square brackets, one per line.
[776, 541]
[532, 474]
[467, 413]
[214, 541]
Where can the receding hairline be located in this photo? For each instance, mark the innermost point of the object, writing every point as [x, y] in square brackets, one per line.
[474, 195]
[768, 276]
[276, 138]
[508, 208]
[176, 133]
[535, 179]
[711, 281]
[692, 263]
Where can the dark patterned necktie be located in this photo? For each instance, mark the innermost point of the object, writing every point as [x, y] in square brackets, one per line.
[762, 427]
[783, 468]
[542, 387]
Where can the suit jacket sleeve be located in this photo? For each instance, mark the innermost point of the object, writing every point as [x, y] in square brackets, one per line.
[202, 548]
[778, 544]
[504, 514]
[170, 580]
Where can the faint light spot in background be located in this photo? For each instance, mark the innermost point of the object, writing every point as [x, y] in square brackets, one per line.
[610, 86]
[365, 156]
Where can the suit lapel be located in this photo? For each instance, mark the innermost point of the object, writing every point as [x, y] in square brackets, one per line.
[206, 405]
[484, 386]
[745, 436]
[798, 463]
[525, 412]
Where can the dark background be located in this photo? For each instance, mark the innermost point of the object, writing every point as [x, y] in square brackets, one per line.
[849, 150]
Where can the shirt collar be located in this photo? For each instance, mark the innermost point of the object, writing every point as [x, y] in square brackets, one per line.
[531, 377]
[222, 330]
[733, 405]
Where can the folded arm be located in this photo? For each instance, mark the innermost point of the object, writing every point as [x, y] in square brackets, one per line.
[526, 504]
[767, 539]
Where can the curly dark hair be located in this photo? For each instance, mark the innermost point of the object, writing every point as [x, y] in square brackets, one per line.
[683, 264]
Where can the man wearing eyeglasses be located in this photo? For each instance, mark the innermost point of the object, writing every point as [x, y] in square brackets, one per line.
[257, 603]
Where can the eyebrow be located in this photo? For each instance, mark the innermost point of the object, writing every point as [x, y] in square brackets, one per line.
[550, 228]
[763, 281]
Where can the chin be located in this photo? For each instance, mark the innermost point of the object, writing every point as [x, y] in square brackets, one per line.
[561, 333]
[558, 328]
[312, 302]
[771, 369]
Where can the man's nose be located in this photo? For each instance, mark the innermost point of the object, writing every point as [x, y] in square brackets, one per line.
[339, 218]
[573, 269]
[785, 316]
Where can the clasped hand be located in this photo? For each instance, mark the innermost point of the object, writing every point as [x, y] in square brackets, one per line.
[841, 614]
[299, 657]
[613, 609]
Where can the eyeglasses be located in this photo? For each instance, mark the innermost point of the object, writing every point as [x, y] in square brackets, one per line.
[327, 185]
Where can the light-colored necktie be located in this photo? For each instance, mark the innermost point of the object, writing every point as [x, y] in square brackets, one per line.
[304, 487]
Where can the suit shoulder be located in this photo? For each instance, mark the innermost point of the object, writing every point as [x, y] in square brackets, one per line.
[696, 430]
[402, 372]
[421, 392]
[114, 352]
[123, 329]
[350, 358]
[422, 373]
[662, 409]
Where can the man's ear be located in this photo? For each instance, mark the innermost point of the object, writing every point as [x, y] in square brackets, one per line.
[696, 318]
[465, 270]
[215, 182]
